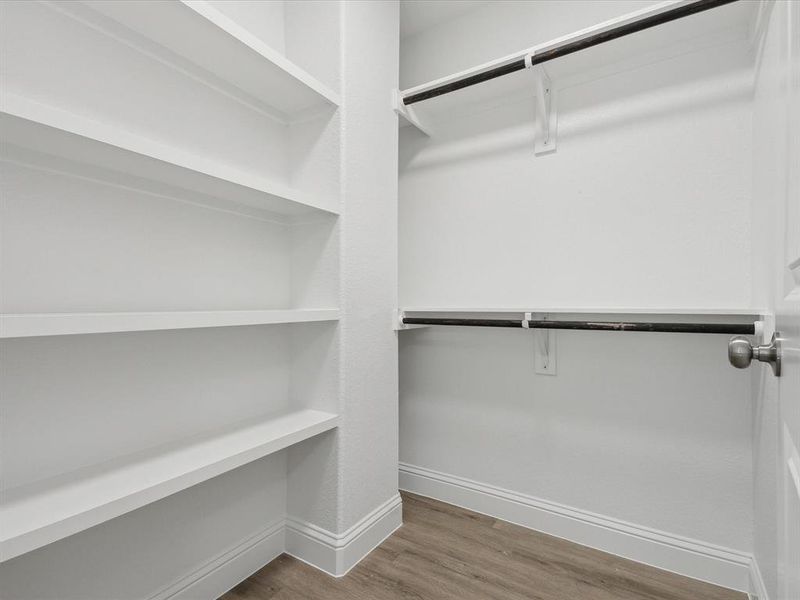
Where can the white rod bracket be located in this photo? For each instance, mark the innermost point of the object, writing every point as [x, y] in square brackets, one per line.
[764, 327]
[408, 114]
[400, 326]
[546, 123]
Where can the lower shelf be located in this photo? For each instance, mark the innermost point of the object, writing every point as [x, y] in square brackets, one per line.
[32, 325]
[38, 514]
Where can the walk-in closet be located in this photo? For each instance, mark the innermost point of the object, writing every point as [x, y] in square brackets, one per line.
[391, 299]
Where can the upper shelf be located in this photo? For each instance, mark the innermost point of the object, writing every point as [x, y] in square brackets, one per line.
[140, 162]
[201, 34]
[635, 313]
[728, 23]
[43, 512]
[598, 310]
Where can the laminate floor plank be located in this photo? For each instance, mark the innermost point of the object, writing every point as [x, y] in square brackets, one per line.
[443, 552]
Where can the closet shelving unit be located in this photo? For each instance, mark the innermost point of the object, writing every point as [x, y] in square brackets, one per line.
[719, 25]
[191, 37]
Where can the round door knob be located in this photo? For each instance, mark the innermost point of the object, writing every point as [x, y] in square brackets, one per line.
[741, 353]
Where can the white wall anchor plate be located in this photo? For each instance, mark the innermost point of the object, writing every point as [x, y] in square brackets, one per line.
[545, 351]
[546, 123]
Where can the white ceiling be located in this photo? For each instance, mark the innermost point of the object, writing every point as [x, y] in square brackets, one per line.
[419, 15]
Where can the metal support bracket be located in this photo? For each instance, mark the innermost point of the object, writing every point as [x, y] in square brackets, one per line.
[546, 124]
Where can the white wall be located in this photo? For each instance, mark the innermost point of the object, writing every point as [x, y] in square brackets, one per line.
[92, 398]
[86, 252]
[643, 428]
[646, 203]
[368, 450]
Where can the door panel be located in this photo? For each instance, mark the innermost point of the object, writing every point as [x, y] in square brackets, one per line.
[787, 309]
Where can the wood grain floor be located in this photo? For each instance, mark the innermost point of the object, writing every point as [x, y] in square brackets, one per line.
[447, 553]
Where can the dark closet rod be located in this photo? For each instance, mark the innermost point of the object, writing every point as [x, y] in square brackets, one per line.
[569, 48]
[727, 328]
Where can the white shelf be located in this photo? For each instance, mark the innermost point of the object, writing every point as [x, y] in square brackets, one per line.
[48, 132]
[687, 314]
[201, 34]
[33, 325]
[725, 24]
[598, 310]
[35, 515]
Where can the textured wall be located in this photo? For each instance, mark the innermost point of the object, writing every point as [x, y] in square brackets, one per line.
[649, 428]
[626, 212]
[368, 436]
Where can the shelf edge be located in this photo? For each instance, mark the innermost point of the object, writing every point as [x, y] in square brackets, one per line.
[56, 324]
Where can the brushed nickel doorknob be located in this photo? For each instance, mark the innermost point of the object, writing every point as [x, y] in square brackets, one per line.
[741, 353]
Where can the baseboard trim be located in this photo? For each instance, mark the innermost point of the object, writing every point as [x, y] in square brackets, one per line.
[336, 554]
[333, 553]
[685, 556]
[228, 568]
[758, 589]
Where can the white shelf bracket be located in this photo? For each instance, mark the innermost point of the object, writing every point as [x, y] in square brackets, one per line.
[409, 114]
[400, 326]
[546, 124]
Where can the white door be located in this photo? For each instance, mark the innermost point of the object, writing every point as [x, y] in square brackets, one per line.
[787, 309]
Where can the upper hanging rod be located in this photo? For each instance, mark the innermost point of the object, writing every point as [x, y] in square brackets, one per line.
[727, 328]
[528, 61]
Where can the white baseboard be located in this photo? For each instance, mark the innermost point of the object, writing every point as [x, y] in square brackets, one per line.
[336, 554]
[332, 553]
[758, 590]
[228, 568]
[685, 556]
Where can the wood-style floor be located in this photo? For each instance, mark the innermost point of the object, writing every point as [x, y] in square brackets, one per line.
[447, 553]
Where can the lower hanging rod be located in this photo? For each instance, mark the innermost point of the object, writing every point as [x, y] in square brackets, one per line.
[724, 328]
